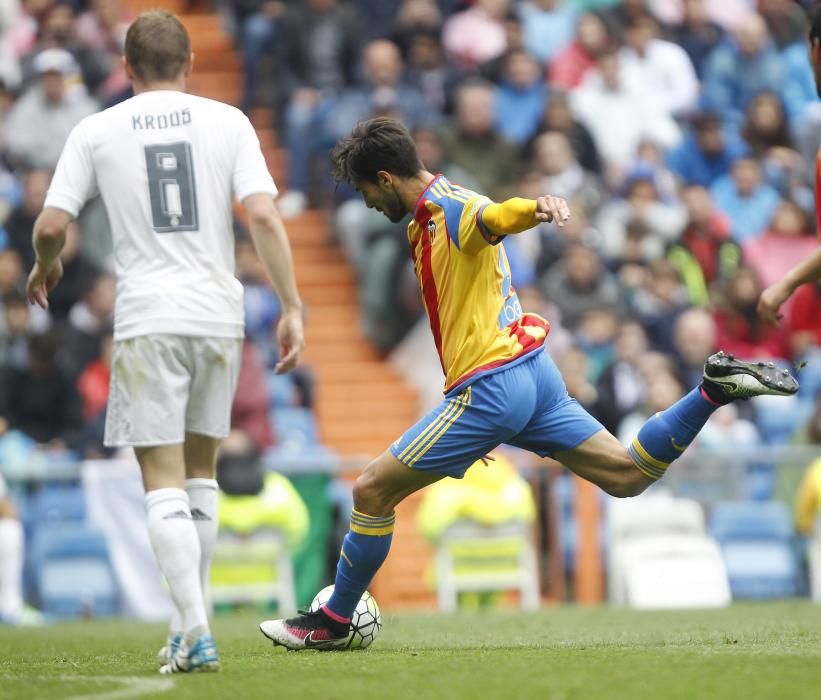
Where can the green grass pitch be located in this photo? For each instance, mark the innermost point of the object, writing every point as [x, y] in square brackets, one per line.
[766, 650]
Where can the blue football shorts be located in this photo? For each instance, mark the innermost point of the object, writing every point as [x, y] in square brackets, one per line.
[524, 404]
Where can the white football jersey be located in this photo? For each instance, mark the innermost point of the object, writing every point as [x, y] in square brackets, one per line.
[168, 166]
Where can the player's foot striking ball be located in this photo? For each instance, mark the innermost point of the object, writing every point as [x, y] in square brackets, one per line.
[365, 624]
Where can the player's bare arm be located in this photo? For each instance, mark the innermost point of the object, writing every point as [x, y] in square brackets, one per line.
[776, 294]
[49, 238]
[271, 243]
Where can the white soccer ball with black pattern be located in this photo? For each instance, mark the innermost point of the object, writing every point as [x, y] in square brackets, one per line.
[366, 620]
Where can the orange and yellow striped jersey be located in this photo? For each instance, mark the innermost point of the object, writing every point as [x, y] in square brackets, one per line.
[474, 312]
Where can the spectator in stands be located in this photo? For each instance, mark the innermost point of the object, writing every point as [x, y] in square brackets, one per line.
[660, 222]
[476, 34]
[620, 387]
[383, 91]
[319, 54]
[619, 15]
[787, 241]
[697, 34]
[9, 63]
[431, 72]
[741, 67]
[662, 67]
[766, 124]
[632, 115]
[803, 325]
[473, 140]
[558, 117]
[78, 270]
[561, 173]
[417, 17]
[258, 24]
[694, 340]
[580, 282]
[658, 303]
[767, 132]
[20, 223]
[706, 152]
[92, 386]
[549, 26]
[739, 331]
[17, 329]
[746, 199]
[569, 66]
[57, 30]
[11, 272]
[40, 121]
[88, 319]
[786, 21]
[94, 380]
[514, 40]
[249, 413]
[102, 29]
[520, 97]
[573, 365]
[704, 252]
[798, 90]
[40, 400]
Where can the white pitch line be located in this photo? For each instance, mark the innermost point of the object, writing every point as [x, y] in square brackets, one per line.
[135, 686]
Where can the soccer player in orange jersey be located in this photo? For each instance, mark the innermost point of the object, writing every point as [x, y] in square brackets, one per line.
[808, 270]
[500, 387]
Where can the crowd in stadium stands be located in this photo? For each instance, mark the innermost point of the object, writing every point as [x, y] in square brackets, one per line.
[682, 132]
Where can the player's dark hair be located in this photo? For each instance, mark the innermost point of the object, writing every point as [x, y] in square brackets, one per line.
[157, 46]
[374, 145]
[815, 25]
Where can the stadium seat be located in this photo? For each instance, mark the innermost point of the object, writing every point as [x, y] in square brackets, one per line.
[756, 540]
[73, 572]
[661, 557]
[55, 502]
[472, 558]
[253, 568]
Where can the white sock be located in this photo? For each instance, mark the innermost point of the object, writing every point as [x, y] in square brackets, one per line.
[202, 497]
[177, 548]
[11, 568]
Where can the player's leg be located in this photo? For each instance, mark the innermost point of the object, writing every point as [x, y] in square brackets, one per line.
[445, 442]
[11, 560]
[175, 542]
[572, 437]
[148, 395]
[201, 486]
[200, 456]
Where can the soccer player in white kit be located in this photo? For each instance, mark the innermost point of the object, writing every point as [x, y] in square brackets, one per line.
[168, 166]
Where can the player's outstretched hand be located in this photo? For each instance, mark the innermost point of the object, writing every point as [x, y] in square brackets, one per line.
[291, 341]
[41, 281]
[549, 208]
[770, 302]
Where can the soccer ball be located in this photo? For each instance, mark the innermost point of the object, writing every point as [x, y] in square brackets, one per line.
[366, 620]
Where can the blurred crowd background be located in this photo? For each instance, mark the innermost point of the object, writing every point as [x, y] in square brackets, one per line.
[683, 133]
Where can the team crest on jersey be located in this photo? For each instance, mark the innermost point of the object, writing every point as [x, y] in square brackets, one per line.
[431, 229]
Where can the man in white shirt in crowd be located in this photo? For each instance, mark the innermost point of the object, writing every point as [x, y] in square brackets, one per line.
[168, 166]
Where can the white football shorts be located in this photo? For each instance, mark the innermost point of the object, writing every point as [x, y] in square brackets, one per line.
[163, 386]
